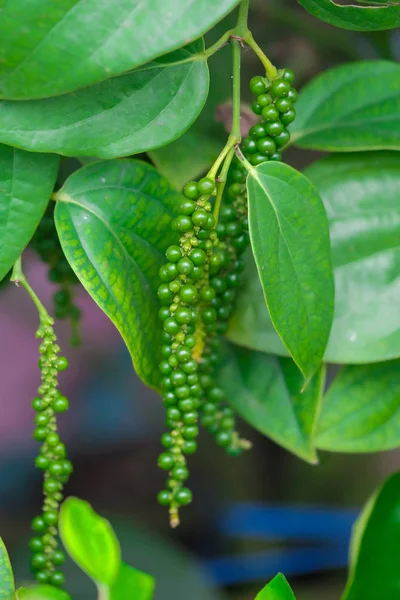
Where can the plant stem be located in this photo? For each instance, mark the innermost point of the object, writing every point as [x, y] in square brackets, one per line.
[270, 70]
[222, 181]
[241, 28]
[224, 39]
[19, 277]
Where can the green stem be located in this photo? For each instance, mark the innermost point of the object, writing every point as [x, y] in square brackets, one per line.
[224, 39]
[270, 70]
[241, 28]
[19, 278]
[222, 181]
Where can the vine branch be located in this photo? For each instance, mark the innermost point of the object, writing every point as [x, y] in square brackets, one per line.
[18, 277]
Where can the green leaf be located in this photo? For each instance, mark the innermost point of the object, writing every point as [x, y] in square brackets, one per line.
[132, 583]
[360, 193]
[26, 183]
[374, 571]
[90, 541]
[42, 592]
[360, 412]
[144, 109]
[266, 392]
[194, 152]
[6, 574]
[277, 589]
[68, 44]
[356, 18]
[352, 107]
[290, 240]
[114, 223]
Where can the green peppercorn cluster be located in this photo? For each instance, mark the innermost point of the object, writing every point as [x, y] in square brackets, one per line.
[275, 104]
[46, 243]
[46, 556]
[184, 296]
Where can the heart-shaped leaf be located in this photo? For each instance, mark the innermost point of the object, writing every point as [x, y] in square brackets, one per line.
[144, 109]
[361, 411]
[114, 223]
[360, 193]
[277, 589]
[132, 583]
[90, 541]
[356, 18]
[41, 592]
[290, 240]
[68, 44]
[352, 107]
[266, 392]
[374, 571]
[6, 574]
[26, 183]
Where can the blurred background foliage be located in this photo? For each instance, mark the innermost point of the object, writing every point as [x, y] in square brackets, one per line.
[113, 428]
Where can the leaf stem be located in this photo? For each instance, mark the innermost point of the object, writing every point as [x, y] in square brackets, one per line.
[19, 278]
[270, 70]
[223, 40]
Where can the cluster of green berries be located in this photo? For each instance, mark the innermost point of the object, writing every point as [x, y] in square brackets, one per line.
[46, 243]
[275, 104]
[46, 555]
[184, 296]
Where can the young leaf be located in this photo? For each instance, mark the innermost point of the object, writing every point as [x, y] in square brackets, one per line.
[352, 107]
[360, 412]
[6, 574]
[42, 592]
[374, 571]
[356, 18]
[90, 541]
[290, 241]
[132, 583]
[68, 44]
[114, 223]
[26, 183]
[141, 110]
[266, 392]
[365, 240]
[277, 589]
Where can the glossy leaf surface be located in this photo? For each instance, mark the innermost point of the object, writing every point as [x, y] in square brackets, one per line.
[126, 115]
[132, 583]
[26, 183]
[42, 592]
[352, 107]
[290, 241]
[277, 589]
[374, 569]
[114, 223]
[71, 44]
[266, 392]
[90, 541]
[6, 574]
[360, 193]
[361, 411]
[354, 17]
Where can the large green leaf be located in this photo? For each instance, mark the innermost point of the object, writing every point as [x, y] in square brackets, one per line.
[132, 583]
[90, 541]
[361, 411]
[352, 107]
[266, 392]
[356, 18]
[277, 589]
[114, 223]
[49, 48]
[26, 183]
[144, 109]
[374, 569]
[6, 574]
[194, 152]
[290, 240]
[360, 193]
